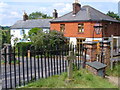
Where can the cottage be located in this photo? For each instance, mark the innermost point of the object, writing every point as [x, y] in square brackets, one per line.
[23, 26]
[85, 23]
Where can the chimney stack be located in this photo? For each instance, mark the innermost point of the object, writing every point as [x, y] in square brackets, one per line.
[76, 7]
[55, 14]
[25, 16]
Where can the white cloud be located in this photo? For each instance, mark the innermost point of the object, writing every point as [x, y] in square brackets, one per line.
[66, 8]
[15, 14]
[11, 12]
[7, 14]
[60, 0]
[2, 4]
[62, 8]
[99, 0]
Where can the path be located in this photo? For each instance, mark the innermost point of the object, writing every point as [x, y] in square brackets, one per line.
[114, 80]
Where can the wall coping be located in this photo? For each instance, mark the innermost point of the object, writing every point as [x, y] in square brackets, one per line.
[104, 42]
[90, 42]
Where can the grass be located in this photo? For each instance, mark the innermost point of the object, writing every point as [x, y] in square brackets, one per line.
[82, 79]
[115, 71]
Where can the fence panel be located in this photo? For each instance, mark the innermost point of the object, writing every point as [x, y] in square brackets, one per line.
[21, 67]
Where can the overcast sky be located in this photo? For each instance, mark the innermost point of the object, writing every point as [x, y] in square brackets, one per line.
[12, 10]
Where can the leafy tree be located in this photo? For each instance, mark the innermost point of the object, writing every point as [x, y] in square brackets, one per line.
[51, 38]
[113, 15]
[33, 32]
[0, 38]
[15, 41]
[38, 15]
[6, 36]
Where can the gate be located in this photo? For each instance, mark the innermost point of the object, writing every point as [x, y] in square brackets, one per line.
[115, 49]
[20, 67]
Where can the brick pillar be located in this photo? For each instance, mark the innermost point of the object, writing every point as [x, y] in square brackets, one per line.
[91, 50]
[106, 52]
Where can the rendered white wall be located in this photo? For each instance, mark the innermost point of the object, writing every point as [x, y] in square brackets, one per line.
[73, 40]
[17, 33]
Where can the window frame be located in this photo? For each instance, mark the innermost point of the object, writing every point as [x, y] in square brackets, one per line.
[80, 27]
[62, 27]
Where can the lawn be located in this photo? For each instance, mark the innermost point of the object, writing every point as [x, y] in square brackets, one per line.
[82, 79]
[115, 71]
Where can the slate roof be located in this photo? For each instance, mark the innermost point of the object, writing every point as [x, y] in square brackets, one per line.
[96, 65]
[28, 24]
[87, 13]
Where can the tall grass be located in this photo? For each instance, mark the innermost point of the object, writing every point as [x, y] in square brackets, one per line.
[82, 79]
[115, 71]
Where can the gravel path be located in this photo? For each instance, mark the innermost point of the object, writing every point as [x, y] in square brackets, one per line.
[114, 80]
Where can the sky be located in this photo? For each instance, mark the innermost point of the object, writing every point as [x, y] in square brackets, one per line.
[12, 10]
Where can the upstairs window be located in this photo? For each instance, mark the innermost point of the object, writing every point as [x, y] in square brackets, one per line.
[81, 28]
[62, 27]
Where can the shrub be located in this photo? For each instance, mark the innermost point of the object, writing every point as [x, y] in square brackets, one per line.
[24, 46]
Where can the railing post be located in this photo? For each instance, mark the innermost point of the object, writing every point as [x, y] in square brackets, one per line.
[28, 53]
[84, 62]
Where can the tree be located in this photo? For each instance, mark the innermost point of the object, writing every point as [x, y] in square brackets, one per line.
[33, 32]
[0, 38]
[6, 37]
[38, 15]
[113, 15]
[51, 38]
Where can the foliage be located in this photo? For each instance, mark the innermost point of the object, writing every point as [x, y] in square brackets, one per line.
[45, 39]
[15, 41]
[0, 38]
[38, 15]
[6, 36]
[115, 71]
[113, 15]
[82, 79]
[33, 32]
[24, 46]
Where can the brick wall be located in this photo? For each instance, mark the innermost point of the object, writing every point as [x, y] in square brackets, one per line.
[94, 71]
[71, 29]
[91, 51]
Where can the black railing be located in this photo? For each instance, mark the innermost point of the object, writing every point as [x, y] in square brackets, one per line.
[20, 68]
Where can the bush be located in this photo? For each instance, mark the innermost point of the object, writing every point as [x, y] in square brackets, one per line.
[24, 47]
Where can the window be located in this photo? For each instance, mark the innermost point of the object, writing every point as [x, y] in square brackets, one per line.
[62, 27]
[81, 28]
[22, 32]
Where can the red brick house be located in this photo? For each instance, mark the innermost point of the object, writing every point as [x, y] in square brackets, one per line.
[80, 24]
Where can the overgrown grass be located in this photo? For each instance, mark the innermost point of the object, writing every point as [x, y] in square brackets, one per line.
[82, 79]
[115, 71]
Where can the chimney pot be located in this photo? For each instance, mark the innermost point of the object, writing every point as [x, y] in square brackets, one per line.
[25, 16]
[76, 7]
[55, 14]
